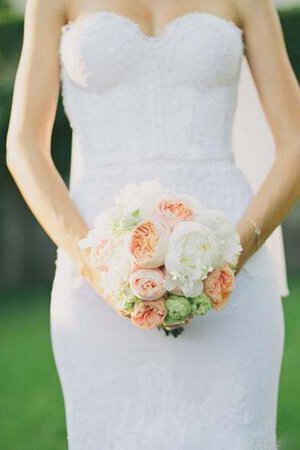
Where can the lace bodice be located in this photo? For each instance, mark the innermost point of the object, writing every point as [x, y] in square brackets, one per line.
[134, 97]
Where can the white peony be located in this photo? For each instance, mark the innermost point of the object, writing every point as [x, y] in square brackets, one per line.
[193, 252]
[119, 266]
[97, 239]
[225, 233]
[101, 231]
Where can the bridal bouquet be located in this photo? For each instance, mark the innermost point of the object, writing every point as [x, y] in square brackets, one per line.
[162, 257]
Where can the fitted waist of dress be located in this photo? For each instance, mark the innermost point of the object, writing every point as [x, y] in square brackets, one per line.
[217, 183]
[165, 168]
[148, 157]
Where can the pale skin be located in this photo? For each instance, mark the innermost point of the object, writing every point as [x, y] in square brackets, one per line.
[36, 94]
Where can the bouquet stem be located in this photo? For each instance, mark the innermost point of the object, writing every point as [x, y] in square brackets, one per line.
[175, 332]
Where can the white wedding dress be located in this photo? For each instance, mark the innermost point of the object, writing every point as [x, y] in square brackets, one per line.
[140, 108]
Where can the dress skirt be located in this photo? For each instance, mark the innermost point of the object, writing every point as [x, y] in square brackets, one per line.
[214, 387]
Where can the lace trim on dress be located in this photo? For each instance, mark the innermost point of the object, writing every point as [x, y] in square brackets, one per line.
[167, 29]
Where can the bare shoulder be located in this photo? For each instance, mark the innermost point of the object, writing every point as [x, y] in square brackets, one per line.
[252, 6]
[55, 11]
[255, 13]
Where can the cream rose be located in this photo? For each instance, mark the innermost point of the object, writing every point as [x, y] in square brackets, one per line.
[175, 210]
[219, 285]
[148, 284]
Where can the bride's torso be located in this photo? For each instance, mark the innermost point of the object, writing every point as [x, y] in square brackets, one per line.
[145, 107]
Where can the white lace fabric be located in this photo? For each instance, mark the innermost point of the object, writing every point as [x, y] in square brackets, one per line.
[144, 107]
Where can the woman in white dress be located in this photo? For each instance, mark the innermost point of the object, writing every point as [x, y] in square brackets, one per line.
[149, 89]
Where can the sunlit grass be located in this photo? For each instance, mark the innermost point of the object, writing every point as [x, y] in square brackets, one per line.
[289, 394]
[31, 412]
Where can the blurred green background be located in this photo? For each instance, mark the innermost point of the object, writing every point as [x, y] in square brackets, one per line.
[32, 411]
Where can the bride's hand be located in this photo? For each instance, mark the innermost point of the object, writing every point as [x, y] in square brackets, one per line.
[89, 273]
[93, 277]
[248, 242]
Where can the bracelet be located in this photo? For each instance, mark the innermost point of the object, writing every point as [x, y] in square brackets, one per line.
[257, 230]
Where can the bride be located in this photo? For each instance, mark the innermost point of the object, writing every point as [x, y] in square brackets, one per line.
[150, 91]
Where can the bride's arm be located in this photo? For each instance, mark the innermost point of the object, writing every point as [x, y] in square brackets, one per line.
[280, 97]
[33, 111]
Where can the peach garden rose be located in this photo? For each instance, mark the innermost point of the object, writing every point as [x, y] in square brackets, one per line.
[148, 244]
[219, 285]
[149, 314]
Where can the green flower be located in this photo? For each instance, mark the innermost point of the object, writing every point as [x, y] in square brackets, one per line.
[127, 299]
[201, 304]
[178, 308]
[125, 221]
[169, 322]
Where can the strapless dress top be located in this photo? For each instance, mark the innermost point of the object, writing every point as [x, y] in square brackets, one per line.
[144, 106]
[134, 97]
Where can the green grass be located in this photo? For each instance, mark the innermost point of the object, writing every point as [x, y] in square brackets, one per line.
[32, 410]
[289, 394]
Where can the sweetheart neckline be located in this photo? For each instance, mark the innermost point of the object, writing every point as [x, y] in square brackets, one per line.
[150, 38]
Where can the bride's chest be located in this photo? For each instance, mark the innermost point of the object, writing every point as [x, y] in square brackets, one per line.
[103, 51]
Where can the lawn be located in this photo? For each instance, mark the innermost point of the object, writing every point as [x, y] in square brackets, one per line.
[289, 394]
[32, 412]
